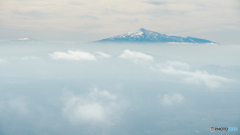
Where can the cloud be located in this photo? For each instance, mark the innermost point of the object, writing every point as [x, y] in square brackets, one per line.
[78, 110]
[212, 81]
[197, 77]
[177, 65]
[171, 99]
[72, 55]
[136, 56]
[176, 68]
[94, 107]
[30, 58]
[103, 94]
[103, 55]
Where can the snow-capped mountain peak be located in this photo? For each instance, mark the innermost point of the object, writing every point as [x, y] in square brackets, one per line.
[143, 35]
[138, 32]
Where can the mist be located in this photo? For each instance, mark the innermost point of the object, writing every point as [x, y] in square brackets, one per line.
[71, 88]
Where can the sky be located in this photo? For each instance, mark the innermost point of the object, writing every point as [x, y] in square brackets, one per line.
[122, 89]
[90, 20]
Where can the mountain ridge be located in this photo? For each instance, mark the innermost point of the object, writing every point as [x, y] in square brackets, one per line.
[146, 36]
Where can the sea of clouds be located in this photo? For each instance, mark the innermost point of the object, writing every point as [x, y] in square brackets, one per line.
[55, 88]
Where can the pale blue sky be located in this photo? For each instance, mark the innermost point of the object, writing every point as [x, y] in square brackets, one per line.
[89, 20]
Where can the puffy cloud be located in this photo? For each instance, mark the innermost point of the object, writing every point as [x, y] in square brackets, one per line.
[103, 55]
[136, 56]
[78, 110]
[72, 55]
[96, 106]
[170, 99]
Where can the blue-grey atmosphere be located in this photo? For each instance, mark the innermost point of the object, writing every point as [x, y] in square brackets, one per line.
[61, 74]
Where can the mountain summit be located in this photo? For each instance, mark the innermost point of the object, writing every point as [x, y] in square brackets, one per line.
[143, 35]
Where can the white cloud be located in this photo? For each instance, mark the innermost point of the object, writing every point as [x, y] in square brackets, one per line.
[212, 81]
[176, 68]
[77, 109]
[72, 55]
[197, 77]
[136, 56]
[103, 55]
[177, 65]
[171, 99]
[94, 107]
[30, 58]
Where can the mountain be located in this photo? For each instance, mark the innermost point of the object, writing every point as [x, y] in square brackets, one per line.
[25, 40]
[143, 35]
[22, 41]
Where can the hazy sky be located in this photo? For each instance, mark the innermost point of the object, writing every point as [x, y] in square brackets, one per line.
[89, 20]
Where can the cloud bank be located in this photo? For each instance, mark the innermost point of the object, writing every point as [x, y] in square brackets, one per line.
[72, 55]
[196, 77]
[136, 56]
[176, 68]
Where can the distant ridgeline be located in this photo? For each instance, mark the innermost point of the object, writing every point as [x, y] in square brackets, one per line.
[23, 41]
[143, 35]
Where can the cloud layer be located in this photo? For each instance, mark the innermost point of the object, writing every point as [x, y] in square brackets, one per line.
[103, 55]
[176, 68]
[72, 55]
[93, 107]
[195, 77]
[136, 56]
